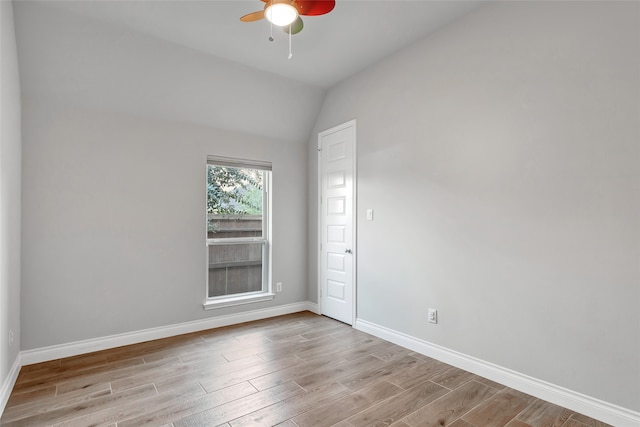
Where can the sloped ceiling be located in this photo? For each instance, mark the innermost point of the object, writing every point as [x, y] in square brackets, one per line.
[194, 61]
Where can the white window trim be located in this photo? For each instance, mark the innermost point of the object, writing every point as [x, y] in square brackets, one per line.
[211, 303]
[239, 299]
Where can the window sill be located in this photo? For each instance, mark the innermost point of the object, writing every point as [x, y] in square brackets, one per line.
[213, 304]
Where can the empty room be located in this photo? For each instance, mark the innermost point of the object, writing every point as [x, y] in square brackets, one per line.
[319, 212]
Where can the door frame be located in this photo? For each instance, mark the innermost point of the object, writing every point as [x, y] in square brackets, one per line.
[354, 219]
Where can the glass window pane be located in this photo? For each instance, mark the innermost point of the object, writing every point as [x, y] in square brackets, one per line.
[235, 269]
[234, 202]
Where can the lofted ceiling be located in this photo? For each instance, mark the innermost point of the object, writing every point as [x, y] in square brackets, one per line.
[196, 62]
[356, 34]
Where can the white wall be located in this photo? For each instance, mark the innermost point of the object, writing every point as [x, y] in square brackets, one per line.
[10, 165]
[114, 175]
[501, 158]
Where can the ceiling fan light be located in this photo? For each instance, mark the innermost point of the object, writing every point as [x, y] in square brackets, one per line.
[281, 14]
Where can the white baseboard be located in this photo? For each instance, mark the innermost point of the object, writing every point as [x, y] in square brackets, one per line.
[313, 307]
[586, 405]
[96, 344]
[9, 382]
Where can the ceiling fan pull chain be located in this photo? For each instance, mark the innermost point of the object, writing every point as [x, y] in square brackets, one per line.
[271, 22]
[290, 54]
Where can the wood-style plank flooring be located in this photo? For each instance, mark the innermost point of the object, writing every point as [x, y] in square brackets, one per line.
[295, 370]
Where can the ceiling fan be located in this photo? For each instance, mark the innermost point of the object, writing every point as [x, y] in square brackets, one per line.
[286, 13]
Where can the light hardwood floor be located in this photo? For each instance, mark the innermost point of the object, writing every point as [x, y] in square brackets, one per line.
[295, 370]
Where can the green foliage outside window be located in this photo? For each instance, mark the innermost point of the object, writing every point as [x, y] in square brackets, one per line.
[233, 192]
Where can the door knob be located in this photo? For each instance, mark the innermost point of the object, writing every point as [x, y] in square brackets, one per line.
[347, 251]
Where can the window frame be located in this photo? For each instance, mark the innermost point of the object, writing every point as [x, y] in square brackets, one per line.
[266, 294]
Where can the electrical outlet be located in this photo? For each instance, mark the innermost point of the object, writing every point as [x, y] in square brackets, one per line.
[432, 315]
[279, 287]
[11, 337]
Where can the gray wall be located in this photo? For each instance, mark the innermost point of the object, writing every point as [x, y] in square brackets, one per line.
[501, 158]
[84, 61]
[114, 217]
[10, 164]
[114, 221]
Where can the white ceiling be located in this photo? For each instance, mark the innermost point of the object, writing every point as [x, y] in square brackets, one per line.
[356, 34]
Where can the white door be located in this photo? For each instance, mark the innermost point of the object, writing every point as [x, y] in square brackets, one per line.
[337, 221]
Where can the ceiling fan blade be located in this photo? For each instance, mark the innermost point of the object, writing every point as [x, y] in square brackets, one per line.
[315, 7]
[255, 16]
[296, 27]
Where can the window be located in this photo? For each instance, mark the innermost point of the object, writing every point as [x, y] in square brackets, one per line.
[238, 231]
